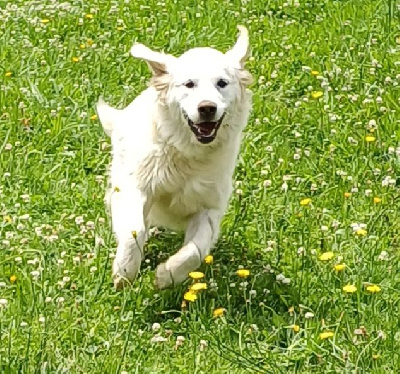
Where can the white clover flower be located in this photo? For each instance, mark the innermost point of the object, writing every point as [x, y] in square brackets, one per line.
[156, 326]
[368, 192]
[280, 277]
[383, 256]
[158, 339]
[203, 345]
[35, 274]
[267, 183]
[79, 220]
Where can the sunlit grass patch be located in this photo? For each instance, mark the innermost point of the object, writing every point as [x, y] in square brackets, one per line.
[305, 276]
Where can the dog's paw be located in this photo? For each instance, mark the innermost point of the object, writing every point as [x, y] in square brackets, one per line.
[120, 282]
[164, 277]
[124, 276]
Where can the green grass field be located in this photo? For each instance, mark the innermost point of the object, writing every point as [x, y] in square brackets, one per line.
[317, 185]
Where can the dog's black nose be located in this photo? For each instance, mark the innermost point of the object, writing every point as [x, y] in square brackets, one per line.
[207, 109]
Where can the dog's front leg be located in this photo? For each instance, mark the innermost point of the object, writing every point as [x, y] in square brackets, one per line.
[128, 209]
[201, 234]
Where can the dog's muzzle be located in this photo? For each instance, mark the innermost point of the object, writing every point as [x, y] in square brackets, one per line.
[206, 131]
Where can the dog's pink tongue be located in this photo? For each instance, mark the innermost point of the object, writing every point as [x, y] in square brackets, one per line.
[206, 128]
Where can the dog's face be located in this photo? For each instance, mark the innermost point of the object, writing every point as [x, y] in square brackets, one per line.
[201, 86]
[204, 86]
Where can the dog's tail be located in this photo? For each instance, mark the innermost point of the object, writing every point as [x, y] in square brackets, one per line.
[107, 116]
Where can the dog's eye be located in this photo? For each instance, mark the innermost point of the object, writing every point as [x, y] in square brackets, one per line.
[222, 83]
[189, 84]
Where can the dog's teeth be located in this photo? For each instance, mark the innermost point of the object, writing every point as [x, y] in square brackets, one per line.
[211, 134]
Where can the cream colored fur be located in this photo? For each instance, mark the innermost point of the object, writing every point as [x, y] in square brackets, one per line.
[160, 173]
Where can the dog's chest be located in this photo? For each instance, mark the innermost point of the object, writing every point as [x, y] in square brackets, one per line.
[178, 187]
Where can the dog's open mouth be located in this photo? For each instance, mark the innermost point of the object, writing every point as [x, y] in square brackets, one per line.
[205, 132]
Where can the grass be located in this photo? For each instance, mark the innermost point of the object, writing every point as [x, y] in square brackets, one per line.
[58, 310]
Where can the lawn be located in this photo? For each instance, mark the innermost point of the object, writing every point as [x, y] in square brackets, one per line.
[315, 216]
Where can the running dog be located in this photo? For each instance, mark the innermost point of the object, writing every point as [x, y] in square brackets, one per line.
[174, 151]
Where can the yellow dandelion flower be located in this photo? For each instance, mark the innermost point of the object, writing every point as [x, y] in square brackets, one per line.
[377, 200]
[75, 59]
[116, 189]
[317, 94]
[120, 28]
[243, 273]
[198, 287]
[82, 46]
[373, 288]
[350, 288]
[44, 21]
[209, 259]
[361, 232]
[8, 74]
[134, 234]
[89, 16]
[219, 312]
[89, 42]
[370, 138]
[196, 275]
[315, 72]
[326, 256]
[93, 117]
[347, 194]
[190, 296]
[340, 267]
[13, 278]
[7, 219]
[305, 202]
[326, 335]
[296, 328]
[376, 357]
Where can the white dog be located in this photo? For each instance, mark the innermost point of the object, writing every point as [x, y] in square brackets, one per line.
[174, 153]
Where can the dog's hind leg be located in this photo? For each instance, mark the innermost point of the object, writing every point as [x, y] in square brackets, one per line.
[127, 209]
[201, 234]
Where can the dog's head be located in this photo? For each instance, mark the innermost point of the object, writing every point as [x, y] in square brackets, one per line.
[201, 87]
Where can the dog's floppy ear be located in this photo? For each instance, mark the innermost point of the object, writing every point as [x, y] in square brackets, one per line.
[157, 61]
[240, 50]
